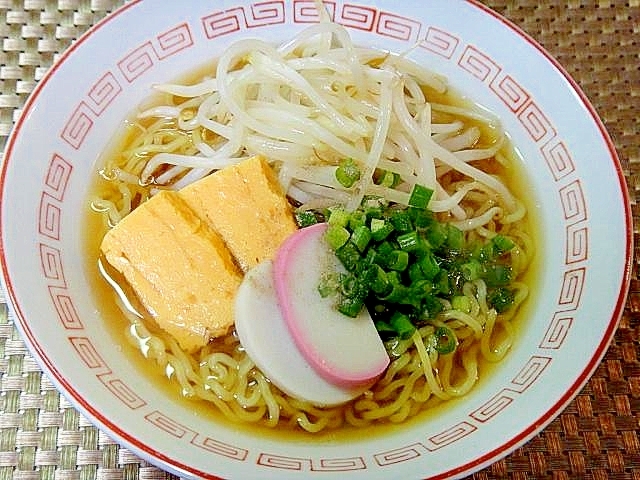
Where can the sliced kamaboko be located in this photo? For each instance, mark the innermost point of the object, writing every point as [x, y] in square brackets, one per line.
[344, 351]
[267, 340]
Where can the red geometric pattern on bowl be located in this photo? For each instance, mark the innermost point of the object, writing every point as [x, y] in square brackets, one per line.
[494, 405]
[178, 430]
[103, 92]
[529, 373]
[573, 203]
[440, 42]
[398, 27]
[107, 88]
[164, 45]
[536, 123]
[311, 464]
[57, 177]
[51, 264]
[478, 64]
[234, 19]
[79, 125]
[510, 92]
[65, 308]
[304, 11]
[557, 331]
[571, 289]
[558, 159]
[49, 218]
[358, 16]
[402, 454]
[577, 247]
[122, 391]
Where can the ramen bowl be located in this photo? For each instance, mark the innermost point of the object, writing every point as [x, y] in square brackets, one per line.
[574, 184]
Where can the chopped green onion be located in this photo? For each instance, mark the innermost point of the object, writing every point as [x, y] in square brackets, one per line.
[350, 306]
[441, 283]
[383, 253]
[368, 259]
[376, 224]
[420, 196]
[502, 244]
[422, 248]
[471, 270]
[462, 303]
[378, 277]
[329, 284]
[373, 213]
[399, 260]
[418, 291]
[432, 306]
[401, 221]
[445, 340]
[422, 218]
[357, 219]
[361, 237]
[380, 229]
[406, 265]
[348, 172]
[429, 266]
[339, 216]
[402, 325]
[436, 235]
[387, 179]
[373, 205]
[349, 285]
[305, 218]
[408, 241]
[497, 275]
[398, 290]
[336, 236]
[349, 255]
[415, 272]
[353, 293]
[455, 238]
[501, 299]
[486, 253]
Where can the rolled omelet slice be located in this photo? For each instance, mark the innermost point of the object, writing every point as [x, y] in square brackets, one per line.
[245, 204]
[179, 267]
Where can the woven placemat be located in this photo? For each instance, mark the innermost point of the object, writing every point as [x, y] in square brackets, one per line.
[42, 436]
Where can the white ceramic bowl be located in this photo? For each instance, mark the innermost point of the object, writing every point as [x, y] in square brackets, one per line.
[573, 171]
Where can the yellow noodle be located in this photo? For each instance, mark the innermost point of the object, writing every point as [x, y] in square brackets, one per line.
[270, 401]
[398, 401]
[492, 348]
[352, 419]
[470, 368]
[421, 395]
[427, 368]
[310, 426]
[402, 413]
[465, 319]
